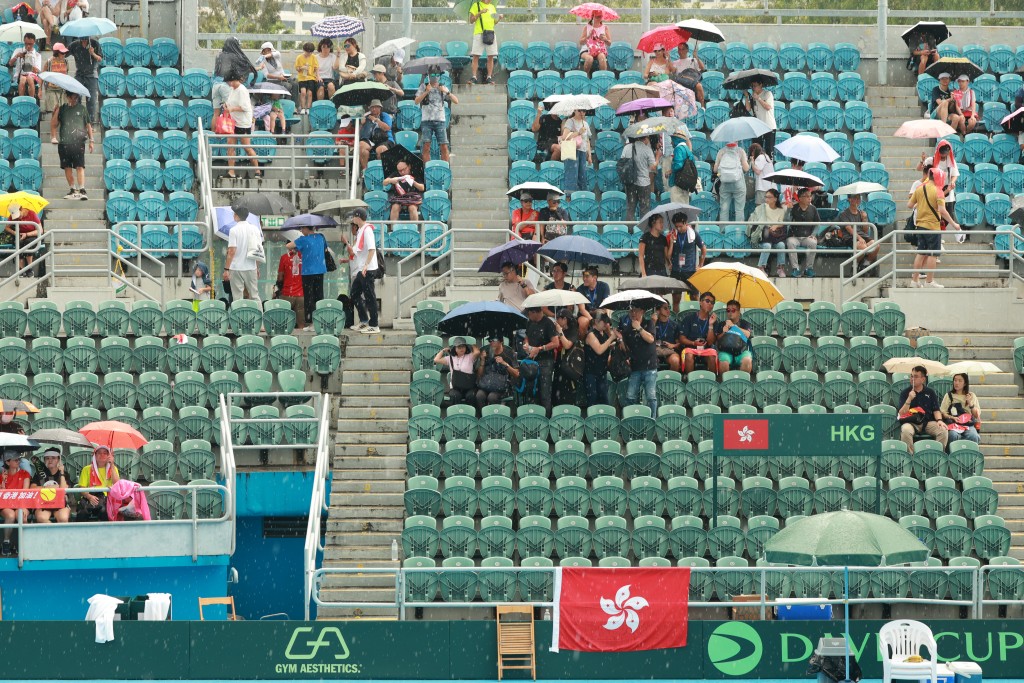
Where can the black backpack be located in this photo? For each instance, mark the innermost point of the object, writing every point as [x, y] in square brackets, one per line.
[686, 177]
[626, 166]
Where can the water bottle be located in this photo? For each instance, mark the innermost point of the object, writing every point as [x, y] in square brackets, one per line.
[547, 614]
[394, 550]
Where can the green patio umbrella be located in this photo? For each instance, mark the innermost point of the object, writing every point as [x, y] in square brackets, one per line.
[843, 539]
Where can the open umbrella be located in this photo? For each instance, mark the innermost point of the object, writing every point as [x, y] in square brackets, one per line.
[269, 88]
[794, 177]
[15, 31]
[587, 9]
[954, 66]
[266, 204]
[682, 98]
[308, 220]
[644, 104]
[655, 126]
[627, 92]
[924, 129]
[337, 27]
[389, 162]
[630, 298]
[657, 284]
[667, 211]
[908, 363]
[389, 47]
[67, 437]
[592, 101]
[113, 434]
[89, 26]
[537, 189]
[739, 128]
[859, 187]
[8, 405]
[515, 252]
[747, 284]
[361, 94]
[575, 248]
[339, 207]
[17, 442]
[555, 298]
[935, 29]
[807, 148]
[461, 9]
[973, 367]
[64, 82]
[1014, 121]
[702, 30]
[32, 202]
[567, 105]
[666, 36]
[480, 318]
[426, 64]
[741, 80]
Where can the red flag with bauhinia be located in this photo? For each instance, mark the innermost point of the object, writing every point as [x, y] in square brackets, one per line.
[745, 435]
[618, 610]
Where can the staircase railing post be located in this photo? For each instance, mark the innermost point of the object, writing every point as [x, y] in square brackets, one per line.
[883, 42]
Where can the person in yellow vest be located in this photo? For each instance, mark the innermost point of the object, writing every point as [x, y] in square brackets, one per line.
[100, 473]
[483, 15]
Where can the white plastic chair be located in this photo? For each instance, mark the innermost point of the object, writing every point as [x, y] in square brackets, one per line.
[903, 638]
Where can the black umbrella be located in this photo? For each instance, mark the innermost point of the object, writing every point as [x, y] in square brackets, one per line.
[389, 161]
[361, 94]
[954, 66]
[936, 29]
[702, 30]
[481, 318]
[266, 204]
[655, 284]
[426, 64]
[741, 80]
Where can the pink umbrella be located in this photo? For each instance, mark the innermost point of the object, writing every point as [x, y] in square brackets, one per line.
[587, 9]
[1010, 117]
[924, 129]
[643, 104]
[684, 102]
[666, 36]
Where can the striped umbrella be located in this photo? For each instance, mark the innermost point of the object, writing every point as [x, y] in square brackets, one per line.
[337, 27]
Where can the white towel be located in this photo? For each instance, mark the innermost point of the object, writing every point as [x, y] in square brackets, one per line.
[158, 606]
[101, 610]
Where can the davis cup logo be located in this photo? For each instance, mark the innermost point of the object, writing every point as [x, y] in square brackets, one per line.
[623, 610]
[735, 648]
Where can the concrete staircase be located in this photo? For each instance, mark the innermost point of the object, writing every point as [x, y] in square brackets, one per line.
[367, 508]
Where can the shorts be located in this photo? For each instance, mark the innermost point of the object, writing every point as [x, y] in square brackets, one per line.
[480, 49]
[308, 85]
[734, 360]
[71, 155]
[240, 131]
[929, 242]
[434, 130]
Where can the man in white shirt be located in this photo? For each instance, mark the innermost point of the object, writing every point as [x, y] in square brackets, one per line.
[362, 254]
[240, 265]
[27, 63]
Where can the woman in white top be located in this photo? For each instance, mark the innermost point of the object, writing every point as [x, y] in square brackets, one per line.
[659, 68]
[760, 102]
[576, 130]
[239, 106]
[328, 70]
[761, 165]
[269, 62]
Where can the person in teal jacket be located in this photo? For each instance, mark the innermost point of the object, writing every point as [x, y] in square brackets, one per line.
[679, 156]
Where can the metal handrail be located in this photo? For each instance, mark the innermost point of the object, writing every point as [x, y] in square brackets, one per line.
[182, 253]
[206, 185]
[443, 244]
[318, 505]
[228, 467]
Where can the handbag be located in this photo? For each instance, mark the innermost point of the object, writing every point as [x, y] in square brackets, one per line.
[487, 37]
[910, 237]
[618, 365]
[224, 124]
[256, 253]
[329, 261]
[461, 381]
[686, 178]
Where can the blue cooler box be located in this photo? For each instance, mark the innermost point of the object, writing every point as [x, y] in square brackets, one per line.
[965, 672]
[945, 675]
[803, 609]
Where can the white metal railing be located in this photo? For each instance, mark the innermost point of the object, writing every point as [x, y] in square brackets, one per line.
[320, 402]
[126, 250]
[228, 467]
[205, 168]
[318, 506]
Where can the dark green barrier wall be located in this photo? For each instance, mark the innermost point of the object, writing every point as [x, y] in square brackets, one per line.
[455, 650]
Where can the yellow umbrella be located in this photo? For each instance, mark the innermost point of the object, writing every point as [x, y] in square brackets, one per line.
[32, 202]
[934, 368]
[748, 285]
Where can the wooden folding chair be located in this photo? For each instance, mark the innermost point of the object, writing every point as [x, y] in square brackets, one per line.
[229, 601]
[516, 639]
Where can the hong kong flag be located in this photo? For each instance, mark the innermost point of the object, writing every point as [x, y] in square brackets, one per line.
[618, 610]
[749, 435]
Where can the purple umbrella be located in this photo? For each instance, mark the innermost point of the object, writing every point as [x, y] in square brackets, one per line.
[516, 252]
[643, 104]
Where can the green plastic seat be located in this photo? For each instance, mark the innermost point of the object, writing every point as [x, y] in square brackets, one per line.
[701, 388]
[855, 319]
[146, 318]
[495, 422]
[642, 459]
[239, 430]
[13, 319]
[47, 355]
[760, 529]
[608, 496]
[80, 355]
[179, 317]
[13, 355]
[158, 424]
[991, 538]
[929, 459]
[422, 497]
[683, 497]
[677, 459]
[531, 422]
[165, 505]
[183, 354]
[890, 422]
[423, 458]
[268, 431]
[291, 381]
[424, 349]
[952, 537]
[688, 537]
[569, 458]
[194, 423]
[83, 388]
[813, 583]
[872, 388]
[48, 418]
[896, 346]
[790, 318]
[300, 432]
[251, 353]
[920, 527]
[830, 495]
[932, 348]
[864, 354]
[905, 497]
[705, 453]
[536, 581]
[961, 577]
[534, 458]
[425, 422]
[118, 390]
[535, 537]
[329, 317]
[672, 423]
[573, 537]
[770, 389]
[805, 389]
[637, 423]
[258, 382]
[209, 503]
[650, 537]
[566, 423]
[217, 353]
[823, 319]
[223, 382]
[669, 388]
[941, 497]
[794, 497]
[767, 354]
[797, 354]
[324, 355]
[148, 354]
[646, 497]
[1005, 579]
[460, 423]
[601, 423]
[736, 388]
[727, 538]
[196, 460]
[757, 497]
[278, 317]
[891, 584]
[571, 496]
[285, 353]
[460, 459]
[728, 496]
[496, 539]
[865, 496]
[700, 421]
[611, 537]
[496, 458]
[129, 416]
[762, 320]
[496, 497]
[702, 581]
[965, 460]
[534, 496]
[44, 319]
[896, 459]
[245, 316]
[115, 355]
[158, 460]
[614, 562]
[420, 537]
[979, 496]
[427, 315]
[839, 389]
[729, 584]
[606, 459]
[888, 319]
[189, 390]
[830, 354]
[79, 319]
[212, 318]
[154, 389]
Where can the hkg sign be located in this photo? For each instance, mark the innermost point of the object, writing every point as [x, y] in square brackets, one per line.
[797, 435]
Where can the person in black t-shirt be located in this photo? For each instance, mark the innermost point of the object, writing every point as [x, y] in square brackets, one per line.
[542, 338]
[51, 475]
[666, 337]
[638, 341]
[654, 249]
[548, 128]
[921, 399]
[598, 349]
[697, 333]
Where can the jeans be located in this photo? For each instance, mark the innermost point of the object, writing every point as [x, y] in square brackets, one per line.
[732, 196]
[970, 435]
[808, 243]
[596, 388]
[364, 298]
[312, 292]
[93, 102]
[637, 197]
[575, 173]
[649, 378]
[544, 384]
[762, 261]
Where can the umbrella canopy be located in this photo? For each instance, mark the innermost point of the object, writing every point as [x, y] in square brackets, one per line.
[791, 176]
[337, 27]
[426, 64]
[389, 161]
[339, 207]
[747, 284]
[954, 66]
[627, 92]
[845, 538]
[629, 298]
[67, 437]
[667, 37]
[643, 104]
[808, 148]
[538, 190]
[655, 126]
[702, 30]
[113, 434]
[15, 31]
[269, 88]
[310, 220]
[567, 105]
[859, 187]
[923, 129]
[17, 442]
[741, 80]
[666, 211]
[594, 101]
[907, 364]
[657, 284]
[973, 367]
[64, 82]
[461, 8]
[587, 10]
[89, 26]
[555, 298]
[515, 251]
[361, 94]
[935, 29]
[575, 248]
[739, 128]
[21, 407]
[682, 98]
[481, 318]
[389, 47]
[266, 204]
[1017, 117]
[32, 202]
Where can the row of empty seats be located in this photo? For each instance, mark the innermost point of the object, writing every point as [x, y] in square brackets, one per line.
[997, 59]
[139, 52]
[146, 114]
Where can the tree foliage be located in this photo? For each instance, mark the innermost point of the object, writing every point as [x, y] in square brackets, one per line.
[241, 16]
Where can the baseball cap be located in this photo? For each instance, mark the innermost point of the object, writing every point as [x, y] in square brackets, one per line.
[266, 46]
[59, 47]
[944, 74]
[555, 196]
[11, 455]
[379, 69]
[964, 77]
[13, 209]
[359, 213]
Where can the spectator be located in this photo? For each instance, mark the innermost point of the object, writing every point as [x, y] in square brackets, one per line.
[733, 335]
[658, 68]
[375, 134]
[731, 166]
[12, 477]
[307, 69]
[525, 212]
[654, 248]
[769, 231]
[858, 236]
[946, 162]
[578, 131]
[52, 476]
[201, 284]
[230, 61]
[666, 338]
[240, 107]
[74, 10]
[693, 64]
[684, 242]
[681, 153]
[542, 338]
[241, 264]
[789, 191]
[594, 43]
[289, 283]
[919, 412]
[514, 288]
[483, 15]
[269, 62]
[761, 165]
[392, 64]
[496, 373]
[312, 248]
[100, 473]
[70, 129]
[48, 14]
[637, 178]
[559, 270]
[698, 336]
[961, 410]
[555, 216]
[431, 97]
[405, 190]
[599, 342]
[802, 235]
[27, 63]
[363, 271]
[353, 69]
[390, 104]
[925, 52]
[637, 338]
[930, 205]
[460, 359]
[760, 102]
[579, 312]
[967, 102]
[548, 128]
[274, 116]
[943, 106]
[595, 291]
[58, 64]
[564, 387]
[27, 226]
[327, 69]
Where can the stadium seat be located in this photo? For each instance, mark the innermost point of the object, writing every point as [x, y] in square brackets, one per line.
[137, 52]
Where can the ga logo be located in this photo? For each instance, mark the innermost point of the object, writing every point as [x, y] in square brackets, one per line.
[735, 648]
[330, 636]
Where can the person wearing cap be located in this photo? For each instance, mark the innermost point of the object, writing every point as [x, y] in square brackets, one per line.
[87, 55]
[460, 359]
[70, 128]
[353, 66]
[24, 226]
[944, 107]
[497, 372]
[483, 15]
[659, 68]
[681, 153]
[100, 473]
[514, 288]
[431, 97]
[240, 266]
[599, 342]
[639, 342]
[52, 476]
[327, 69]
[392, 64]
[525, 212]
[363, 255]
[375, 134]
[380, 74]
[269, 62]
[307, 67]
[311, 246]
[555, 216]
[542, 339]
[12, 477]
[57, 64]
[968, 104]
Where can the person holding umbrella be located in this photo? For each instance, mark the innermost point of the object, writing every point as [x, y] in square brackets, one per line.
[380, 74]
[554, 212]
[524, 213]
[924, 53]
[312, 247]
[944, 108]
[239, 106]
[681, 153]
[100, 473]
[595, 41]
[598, 350]
[52, 476]
[70, 129]
[431, 97]
[731, 165]
[860, 235]
[658, 69]
[460, 359]
[548, 128]
[87, 55]
[760, 103]
[27, 226]
[57, 64]
[542, 338]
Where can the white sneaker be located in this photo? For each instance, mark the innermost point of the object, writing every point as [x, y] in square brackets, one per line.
[915, 284]
[72, 194]
[933, 284]
[358, 328]
[371, 330]
[308, 328]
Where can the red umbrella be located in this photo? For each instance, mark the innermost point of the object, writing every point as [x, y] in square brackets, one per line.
[113, 434]
[667, 36]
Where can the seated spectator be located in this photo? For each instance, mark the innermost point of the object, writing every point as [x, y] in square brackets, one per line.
[392, 63]
[431, 97]
[514, 288]
[525, 212]
[924, 53]
[558, 271]
[497, 373]
[289, 283]
[595, 291]
[789, 192]
[769, 231]
[307, 68]
[100, 473]
[375, 134]
[269, 62]
[271, 114]
[27, 224]
[658, 68]
[637, 339]
[654, 249]
[919, 412]
[943, 107]
[548, 128]
[860, 235]
[734, 335]
[48, 12]
[698, 337]
[555, 216]
[352, 67]
[802, 236]
[12, 477]
[542, 338]
[380, 75]
[460, 359]
[961, 410]
[599, 342]
[51, 475]
[688, 71]
[27, 63]
[201, 285]
[594, 43]
[404, 190]
[327, 70]
[967, 102]
[684, 242]
[666, 338]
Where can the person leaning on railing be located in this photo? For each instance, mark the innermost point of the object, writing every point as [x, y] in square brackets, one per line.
[12, 477]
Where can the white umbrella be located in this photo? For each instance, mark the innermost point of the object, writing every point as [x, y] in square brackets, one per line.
[739, 128]
[907, 364]
[973, 367]
[807, 148]
[924, 129]
[389, 47]
[791, 176]
[538, 190]
[567, 105]
[555, 298]
[859, 187]
[18, 441]
[632, 297]
[702, 30]
[15, 31]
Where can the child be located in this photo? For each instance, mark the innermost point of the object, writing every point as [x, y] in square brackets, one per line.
[276, 115]
[202, 286]
[307, 66]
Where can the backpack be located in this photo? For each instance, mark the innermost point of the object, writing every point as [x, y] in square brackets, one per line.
[529, 378]
[618, 364]
[686, 177]
[626, 167]
[730, 168]
[572, 362]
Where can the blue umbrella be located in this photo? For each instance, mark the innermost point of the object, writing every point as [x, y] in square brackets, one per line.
[516, 252]
[64, 81]
[310, 220]
[337, 27]
[740, 128]
[89, 26]
[480, 318]
[575, 248]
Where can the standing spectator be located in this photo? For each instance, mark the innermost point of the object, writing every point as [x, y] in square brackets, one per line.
[239, 106]
[460, 359]
[638, 340]
[731, 166]
[654, 249]
[666, 338]
[327, 69]
[201, 285]
[312, 248]
[697, 332]
[658, 68]
[52, 476]
[960, 408]
[761, 165]
[380, 74]
[353, 69]
[946, 162]
[231, 60]
[733, 335]
[564, 386]
[681, 153]
[484, 16]
[12, 478]
[57, 64]
[599, 342]
[684, 242]
[637, 179]
[363, 266]
[968, 104]
[431, 97]
[553, 212]
[576, 130]
[918, 411]
[375, 134]
[525, 212]
[497, 372]
[28, 227]
[289, 283]
[859, 235]
[686, 62]
[925, 52]
[548, 128]
[943, 107]
[594, 43]
[27, 63]
[542, 338]
[802, 235]
[760, 103]
[100, 473]
[269, 62]
[769, 231]
[307, 69]
[392, 64]
[595, 290]
[406, 190]
[245, 244]
[930, 205]
[70, 129]
[514, 288]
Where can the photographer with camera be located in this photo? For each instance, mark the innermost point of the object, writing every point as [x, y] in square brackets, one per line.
[431, 97]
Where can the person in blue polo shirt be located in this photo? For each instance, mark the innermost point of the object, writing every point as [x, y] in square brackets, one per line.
[311, 245]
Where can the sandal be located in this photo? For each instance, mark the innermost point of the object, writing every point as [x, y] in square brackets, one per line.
[490, 80]
[231, 174]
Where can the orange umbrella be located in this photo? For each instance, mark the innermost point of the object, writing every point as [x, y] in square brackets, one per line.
[113, 434]
[17, 407]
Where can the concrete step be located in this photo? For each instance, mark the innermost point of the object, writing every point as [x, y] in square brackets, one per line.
[378, 513]
[376, 438]
[380, 401]
[1011, 455]
[373, 390]
[1004, 438]
[373, 413]
[371, 476]
[352, 490]
[374, 460]
[385, 427]
[366, 540]
[387, 376]
[470, 173]
[393, 340]
[341, 581]
[355, 564]
[472, 160]
[358, 594]
[349, 526]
